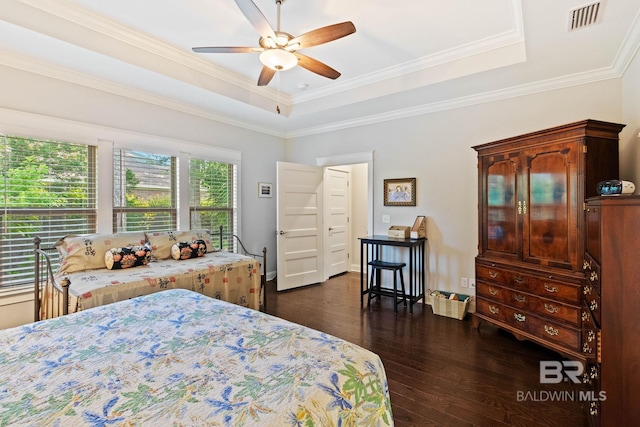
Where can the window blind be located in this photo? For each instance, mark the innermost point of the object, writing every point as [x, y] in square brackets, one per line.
[145, 191]
[213, 197]
[48, 189]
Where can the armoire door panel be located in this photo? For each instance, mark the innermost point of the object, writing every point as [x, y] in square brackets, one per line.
[549, 230]
[501, 231]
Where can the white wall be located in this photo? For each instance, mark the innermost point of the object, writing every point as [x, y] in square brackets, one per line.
[436, 149]
[630, 138]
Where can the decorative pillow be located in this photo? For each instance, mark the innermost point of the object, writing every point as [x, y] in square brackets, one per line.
[162, 241]
[127, 257]
[86, 252]
[186, 250]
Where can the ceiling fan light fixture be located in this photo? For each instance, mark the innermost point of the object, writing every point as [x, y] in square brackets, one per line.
[278, 59]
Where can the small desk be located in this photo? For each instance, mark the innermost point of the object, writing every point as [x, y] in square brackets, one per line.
[371, 249]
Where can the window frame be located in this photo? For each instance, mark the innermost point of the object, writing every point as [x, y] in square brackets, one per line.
[172, 210]
[231, 209]
[104, 140]
[49, 214]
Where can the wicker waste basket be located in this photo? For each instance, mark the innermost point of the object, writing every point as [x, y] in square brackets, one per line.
[449, 304]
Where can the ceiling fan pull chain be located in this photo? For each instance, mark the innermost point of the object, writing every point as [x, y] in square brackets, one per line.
[278, 93]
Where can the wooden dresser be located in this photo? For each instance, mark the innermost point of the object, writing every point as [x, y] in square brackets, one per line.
[531, 200]
[612, 268]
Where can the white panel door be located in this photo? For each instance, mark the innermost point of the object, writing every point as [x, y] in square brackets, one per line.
[299, 224]
[336, 187]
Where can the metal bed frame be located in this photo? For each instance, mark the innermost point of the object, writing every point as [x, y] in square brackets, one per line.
[43, 271]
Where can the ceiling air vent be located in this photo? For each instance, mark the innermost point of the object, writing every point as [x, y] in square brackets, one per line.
[583, 16]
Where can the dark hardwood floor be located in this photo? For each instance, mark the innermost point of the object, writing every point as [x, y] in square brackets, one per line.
[441, 371]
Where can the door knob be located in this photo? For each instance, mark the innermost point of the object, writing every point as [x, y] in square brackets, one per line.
[282, 233]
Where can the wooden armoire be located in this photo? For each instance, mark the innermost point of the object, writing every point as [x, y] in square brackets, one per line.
[531, 203]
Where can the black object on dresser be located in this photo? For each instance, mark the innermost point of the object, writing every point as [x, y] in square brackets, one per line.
[531, 204]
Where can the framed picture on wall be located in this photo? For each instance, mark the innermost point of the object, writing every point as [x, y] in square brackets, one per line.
[400, 192]
[265, 189]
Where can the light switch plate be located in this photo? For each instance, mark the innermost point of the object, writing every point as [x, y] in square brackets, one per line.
[386, 219]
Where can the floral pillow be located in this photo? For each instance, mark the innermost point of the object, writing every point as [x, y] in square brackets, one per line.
[127, 257]
[162, 241]
[186, 250]
[86, 252]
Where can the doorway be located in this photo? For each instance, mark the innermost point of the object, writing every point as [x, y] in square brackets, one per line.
[302, 233]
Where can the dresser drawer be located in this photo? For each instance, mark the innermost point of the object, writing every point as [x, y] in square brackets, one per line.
[541, 306]
[546, 287]
[592, 272]
[592, 300]
[590, 341]
[562, 334]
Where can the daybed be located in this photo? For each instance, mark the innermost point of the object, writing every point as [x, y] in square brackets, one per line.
[180, 358]
[83, 279]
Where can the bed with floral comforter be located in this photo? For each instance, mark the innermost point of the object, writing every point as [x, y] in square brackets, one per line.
[223, 275]
[180, 358]
[229, 276]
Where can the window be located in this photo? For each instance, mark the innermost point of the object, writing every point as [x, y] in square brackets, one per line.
[212, 197]
[48, 189]
[145, 195]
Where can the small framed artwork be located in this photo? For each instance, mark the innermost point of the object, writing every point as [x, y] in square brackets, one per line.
[265, 189]
[400, 192]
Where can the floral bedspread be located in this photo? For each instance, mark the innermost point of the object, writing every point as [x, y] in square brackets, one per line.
[223, 275]
[178, 358]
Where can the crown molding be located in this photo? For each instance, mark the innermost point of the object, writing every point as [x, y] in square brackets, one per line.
[69, 12]
[45, 69]
[466, 101]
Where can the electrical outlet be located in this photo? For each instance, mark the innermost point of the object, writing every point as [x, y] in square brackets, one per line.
[386, 219]
[464, 282]
[472, 283]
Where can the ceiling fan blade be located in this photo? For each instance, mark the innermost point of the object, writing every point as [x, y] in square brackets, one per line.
[316, 66]
[227, 49]
[323, 35]
[256, 18]
[265, 76]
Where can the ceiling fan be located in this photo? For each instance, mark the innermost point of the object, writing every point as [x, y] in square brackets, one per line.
[279, 50]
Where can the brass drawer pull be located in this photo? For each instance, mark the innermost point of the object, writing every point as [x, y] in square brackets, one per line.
[494, 310]
[551, 289]
[551, 308]
[550, 330]
[493, 274]
[519, 317]
[519, 280]
[594, 373]
[520, 298]
[493, 291]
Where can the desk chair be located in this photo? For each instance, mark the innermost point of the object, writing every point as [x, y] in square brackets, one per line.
[376, 291]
